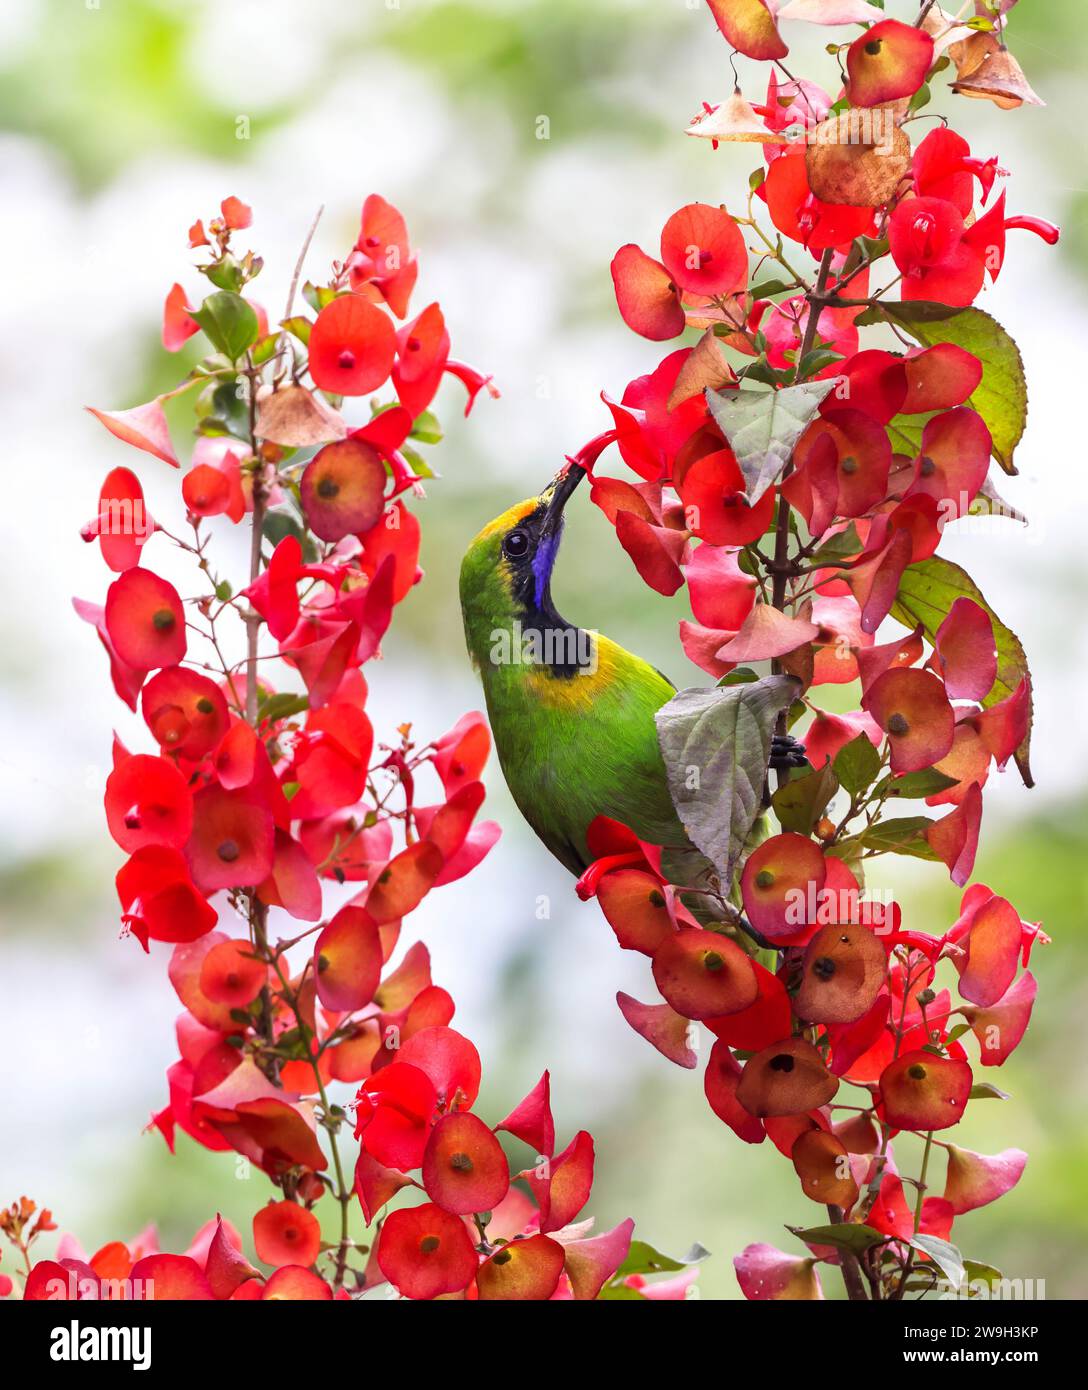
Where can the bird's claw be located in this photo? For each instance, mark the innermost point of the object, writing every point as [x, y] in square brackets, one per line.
[786, 753]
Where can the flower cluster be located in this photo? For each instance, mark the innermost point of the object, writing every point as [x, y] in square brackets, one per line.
[275, 847]
[799, 485]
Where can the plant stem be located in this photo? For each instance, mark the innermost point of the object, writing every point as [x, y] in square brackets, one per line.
[908, 1264]
[782, 524]
[253, 620]
[850, 1266]
[343, 1193]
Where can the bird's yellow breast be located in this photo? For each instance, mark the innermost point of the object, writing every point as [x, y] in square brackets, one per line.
[578, 693]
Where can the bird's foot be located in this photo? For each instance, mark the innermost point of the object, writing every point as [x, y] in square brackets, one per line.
[787, 752]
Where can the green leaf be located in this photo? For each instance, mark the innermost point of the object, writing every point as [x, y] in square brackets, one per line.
[802, 801]
[742, 675]
[768, 375]
[644, 1259]
[843, 545]
[229, 322]
[928, 782]
[299, 327]
[905, 432]
[756, 179]
[856, 764]
[317, 296]
[766, 289]
[927, 592]
[223, 591]
[842, 1236]
[975, 1272]
[907, 314]
[220, 409]
[426, 428]
[986, 1090]
[1002, 395]
[815, 361]
[226, 274]
[920, 98]
[265, 350]
[865, 248]
[283, 706]
[903, 835]
[944, 1255]
[715, 744]
[280, 523]
[420, 467]
[620, 1293]
[763, 427]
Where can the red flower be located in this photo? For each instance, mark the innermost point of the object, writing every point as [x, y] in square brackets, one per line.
[799, 214]
[394, 1112]
[382, 258]
[953, 461]
[286, 1234]
[236, 215]
[749, 26]
[923, 1091]
[185, 711]
[780, 883]
[145, 620]
[913, 710]
[351, 347]
[231, 974]
[562, 1186]
[703, 974]
[159, 900]
[523, 1269]
[232, 839]
[123, 523]
[703, 250]
[464, 1167]
[716, 507]
[702, 253]
[423, 351]
[647, 296]
[343, 489]
[425, 1252]
[461, 754]
[348, 960]
[531, 1120]
[890, 60]
[178, 325]
[148, 803]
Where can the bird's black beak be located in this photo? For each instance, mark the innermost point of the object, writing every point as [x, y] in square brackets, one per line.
[556, 495]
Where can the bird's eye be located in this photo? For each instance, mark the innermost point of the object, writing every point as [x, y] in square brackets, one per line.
[515, 544]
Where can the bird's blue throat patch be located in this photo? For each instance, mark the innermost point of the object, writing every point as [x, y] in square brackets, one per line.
[543, 564]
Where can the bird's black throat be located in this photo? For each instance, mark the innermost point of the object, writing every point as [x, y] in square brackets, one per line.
[543, 636]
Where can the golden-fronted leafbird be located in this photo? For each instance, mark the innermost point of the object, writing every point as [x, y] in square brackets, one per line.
[571, 711]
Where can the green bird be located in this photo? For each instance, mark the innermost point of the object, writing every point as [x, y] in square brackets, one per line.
[572, 712]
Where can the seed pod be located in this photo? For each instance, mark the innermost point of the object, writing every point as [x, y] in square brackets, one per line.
[786, 1079]
[857, 158]
[841, 975]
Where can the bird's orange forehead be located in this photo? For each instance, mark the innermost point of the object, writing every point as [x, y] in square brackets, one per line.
[510, 518]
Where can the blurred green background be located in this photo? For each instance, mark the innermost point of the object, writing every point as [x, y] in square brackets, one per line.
[120, 125]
